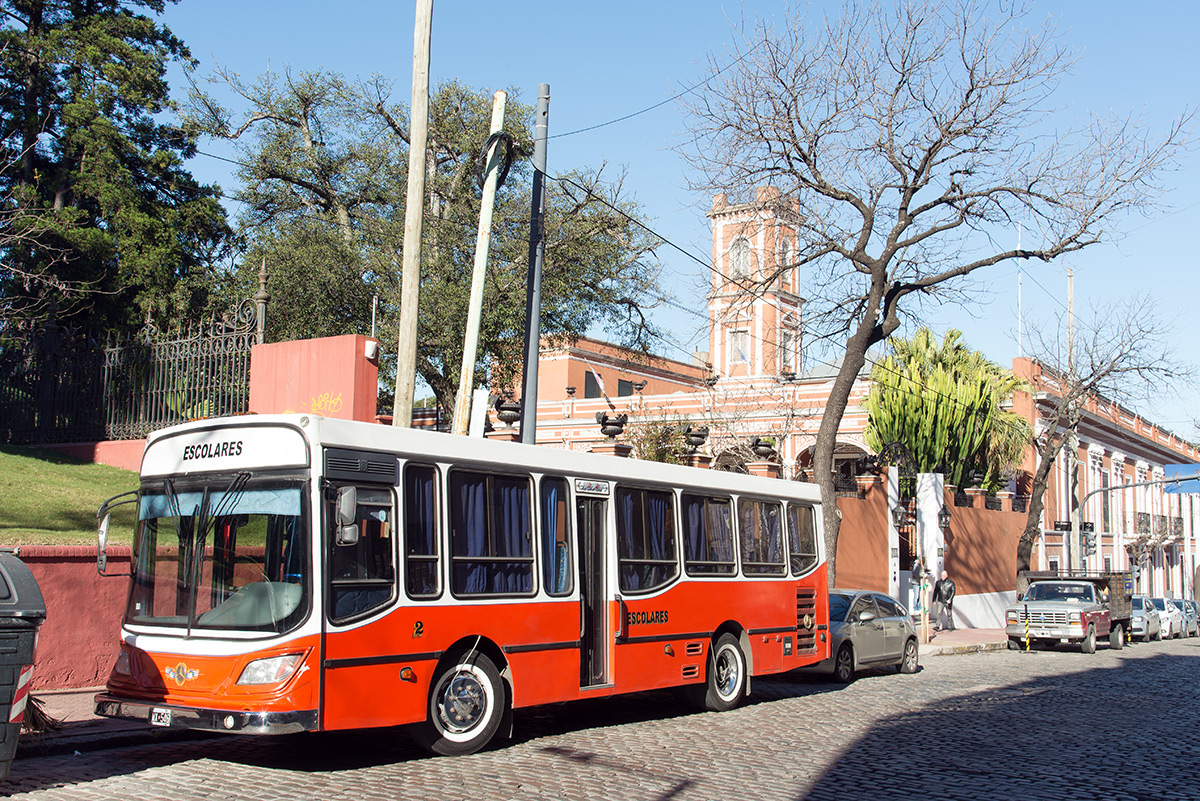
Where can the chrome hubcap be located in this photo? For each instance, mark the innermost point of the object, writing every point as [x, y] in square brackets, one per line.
[462, 703]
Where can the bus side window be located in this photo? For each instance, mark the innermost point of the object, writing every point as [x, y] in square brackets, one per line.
[491, 534]
[761, 538]
[362, 575]
[646, 553]
[707, 536]
[421, 557]
[556, 537]
[802, 538]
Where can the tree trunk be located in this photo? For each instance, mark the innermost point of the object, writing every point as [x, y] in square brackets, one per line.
[1037, 493]
[831, 420]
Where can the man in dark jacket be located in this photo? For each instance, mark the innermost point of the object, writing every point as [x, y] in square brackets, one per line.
[943, 601]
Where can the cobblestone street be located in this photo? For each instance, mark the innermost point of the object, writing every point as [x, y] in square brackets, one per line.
[995, 725]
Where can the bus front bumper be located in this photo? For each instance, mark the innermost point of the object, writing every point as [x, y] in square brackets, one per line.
[220, 720]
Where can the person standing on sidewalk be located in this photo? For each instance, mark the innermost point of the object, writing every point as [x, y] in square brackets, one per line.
[943, 601]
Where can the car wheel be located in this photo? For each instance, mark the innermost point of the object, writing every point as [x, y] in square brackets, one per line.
[1088, 645]
[466, 703]
[1016, 644]
[908, 664]
[1116, 637]
[843, 666]
[1158, 635]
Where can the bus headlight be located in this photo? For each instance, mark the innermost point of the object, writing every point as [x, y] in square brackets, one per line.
[271, 670]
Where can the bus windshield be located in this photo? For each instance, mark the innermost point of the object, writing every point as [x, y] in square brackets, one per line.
[227, 557]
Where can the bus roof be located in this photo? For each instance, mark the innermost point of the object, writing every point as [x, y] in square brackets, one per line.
[441, 447]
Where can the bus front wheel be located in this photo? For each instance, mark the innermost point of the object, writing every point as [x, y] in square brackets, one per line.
[726, 682]
[466, 703]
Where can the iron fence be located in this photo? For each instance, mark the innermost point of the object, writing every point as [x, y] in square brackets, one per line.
[59, 385]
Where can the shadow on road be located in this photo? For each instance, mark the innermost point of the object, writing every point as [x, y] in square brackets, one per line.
[1111, 732]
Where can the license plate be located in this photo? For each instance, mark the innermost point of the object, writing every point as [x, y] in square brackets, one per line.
[1041, 633]
[160, 717]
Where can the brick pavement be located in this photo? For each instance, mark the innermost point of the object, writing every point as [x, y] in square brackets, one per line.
[996, 725]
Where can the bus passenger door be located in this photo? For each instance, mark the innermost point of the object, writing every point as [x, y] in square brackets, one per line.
[593, 610]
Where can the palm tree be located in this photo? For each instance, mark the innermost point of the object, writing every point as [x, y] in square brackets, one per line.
[944, 402]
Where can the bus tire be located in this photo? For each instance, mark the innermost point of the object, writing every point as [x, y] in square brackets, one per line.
[466, 703]
[726, 682]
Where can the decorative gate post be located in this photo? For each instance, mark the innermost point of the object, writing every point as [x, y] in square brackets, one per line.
[261, 297]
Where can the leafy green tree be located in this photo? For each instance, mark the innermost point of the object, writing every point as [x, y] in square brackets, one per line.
[324, 163]
[100, 217]
[944, 403]
[662, 439]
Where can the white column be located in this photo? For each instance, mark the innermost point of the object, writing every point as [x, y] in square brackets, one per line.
[930, 495]
[893, 499]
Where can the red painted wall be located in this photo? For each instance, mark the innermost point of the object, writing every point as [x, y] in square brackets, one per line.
[331, 377]
[862, 549]
[77, 643]
[981, 544]
[123, 453]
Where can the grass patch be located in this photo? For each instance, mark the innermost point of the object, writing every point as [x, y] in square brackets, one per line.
[47, 498]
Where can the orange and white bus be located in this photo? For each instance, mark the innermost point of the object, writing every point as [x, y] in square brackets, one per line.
[297, 573]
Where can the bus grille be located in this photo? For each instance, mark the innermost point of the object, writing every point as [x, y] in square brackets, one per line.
[806, 612]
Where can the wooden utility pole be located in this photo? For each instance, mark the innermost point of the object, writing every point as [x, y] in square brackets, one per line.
[466, 379]
[410, 281]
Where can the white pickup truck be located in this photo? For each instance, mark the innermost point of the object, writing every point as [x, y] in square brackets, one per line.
[1072, 609]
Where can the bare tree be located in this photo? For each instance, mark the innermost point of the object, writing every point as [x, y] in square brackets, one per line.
[915, 137]
[1122, 352]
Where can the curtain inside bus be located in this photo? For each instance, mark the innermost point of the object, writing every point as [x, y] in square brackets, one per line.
[645, 539]
[420, 531]
[490, 534]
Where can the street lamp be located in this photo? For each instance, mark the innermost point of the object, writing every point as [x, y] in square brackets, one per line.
[943, 518]
[899, 515]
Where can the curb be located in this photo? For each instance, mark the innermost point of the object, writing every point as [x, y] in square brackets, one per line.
[964, 648]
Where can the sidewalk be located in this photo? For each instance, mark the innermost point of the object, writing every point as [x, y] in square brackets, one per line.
[80, 730]
[965, 641]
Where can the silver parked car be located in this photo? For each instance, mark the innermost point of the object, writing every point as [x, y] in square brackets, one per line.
[1172, 618]
[1147, 624]
[1191, 616]
[869, 629]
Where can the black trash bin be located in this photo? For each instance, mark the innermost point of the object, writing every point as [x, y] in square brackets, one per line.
[22, 611]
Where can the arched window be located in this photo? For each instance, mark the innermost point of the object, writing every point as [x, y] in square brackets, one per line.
[739, 259]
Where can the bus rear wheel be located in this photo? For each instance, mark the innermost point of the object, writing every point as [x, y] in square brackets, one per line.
[466, 703]
[726, 682]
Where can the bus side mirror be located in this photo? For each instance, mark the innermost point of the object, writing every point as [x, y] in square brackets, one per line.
[102, 539]
[104, 520]
[347, 516]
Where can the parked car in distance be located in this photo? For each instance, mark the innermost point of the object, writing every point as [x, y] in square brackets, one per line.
[1147, 623]
[868, 629]
[1172, 618]
[1191, 616]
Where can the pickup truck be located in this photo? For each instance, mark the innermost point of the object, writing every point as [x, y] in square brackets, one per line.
[1074, 609]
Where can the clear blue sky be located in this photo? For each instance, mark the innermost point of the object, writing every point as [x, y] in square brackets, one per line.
[604, 61]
